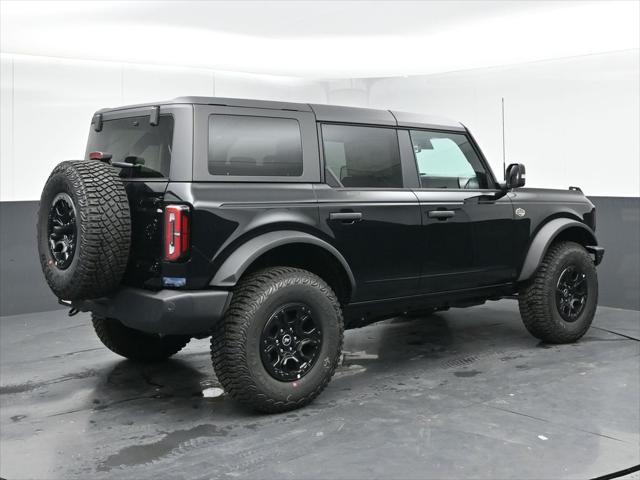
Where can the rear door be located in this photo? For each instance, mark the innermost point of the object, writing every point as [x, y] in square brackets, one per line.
[366, 210]
[466, 239]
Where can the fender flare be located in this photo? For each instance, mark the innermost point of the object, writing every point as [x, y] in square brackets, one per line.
[237, 263]
[543, 239]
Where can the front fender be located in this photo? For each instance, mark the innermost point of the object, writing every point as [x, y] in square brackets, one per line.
[543, 239]
[233, 267]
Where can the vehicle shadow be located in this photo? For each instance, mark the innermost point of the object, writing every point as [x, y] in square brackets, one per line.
[138, 393]
[141, 392]
[443, 336]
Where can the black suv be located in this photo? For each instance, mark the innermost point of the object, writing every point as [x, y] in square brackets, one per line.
[272, 227]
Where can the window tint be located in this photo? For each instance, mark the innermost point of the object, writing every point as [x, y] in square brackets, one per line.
[447, 160]
[134, 140]
[362, 156]
[254, 146]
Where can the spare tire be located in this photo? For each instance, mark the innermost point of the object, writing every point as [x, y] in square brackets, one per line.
[84, 230]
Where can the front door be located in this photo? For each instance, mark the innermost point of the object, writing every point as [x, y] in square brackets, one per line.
[366, 211]
[466, 240]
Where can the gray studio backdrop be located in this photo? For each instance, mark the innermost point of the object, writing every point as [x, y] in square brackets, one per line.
[23, 289]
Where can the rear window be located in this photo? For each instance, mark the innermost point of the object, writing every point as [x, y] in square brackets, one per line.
[133, 140]
[254, 146]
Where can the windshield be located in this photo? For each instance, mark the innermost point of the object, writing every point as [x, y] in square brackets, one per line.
[134, 141]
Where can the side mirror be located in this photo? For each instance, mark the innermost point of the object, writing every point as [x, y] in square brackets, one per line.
[515, 175]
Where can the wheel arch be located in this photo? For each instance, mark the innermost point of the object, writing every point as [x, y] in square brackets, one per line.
[288, 248]
[555, 230]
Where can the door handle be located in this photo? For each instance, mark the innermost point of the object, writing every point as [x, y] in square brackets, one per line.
[346, 217]
[441, 214]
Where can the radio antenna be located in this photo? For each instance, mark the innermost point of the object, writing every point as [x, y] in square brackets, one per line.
[504, 156]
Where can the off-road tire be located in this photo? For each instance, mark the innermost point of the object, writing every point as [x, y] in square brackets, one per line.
[235, 342]
[134, 344]
[537, 298]
[103, 225]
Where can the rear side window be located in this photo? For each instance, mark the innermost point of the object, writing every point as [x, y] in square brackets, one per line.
[364, 157]
[133, 140]
[254, 146]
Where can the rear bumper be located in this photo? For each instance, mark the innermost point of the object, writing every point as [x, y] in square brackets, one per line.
[168, 312]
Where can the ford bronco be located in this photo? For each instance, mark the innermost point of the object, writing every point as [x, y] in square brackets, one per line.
[271, 227]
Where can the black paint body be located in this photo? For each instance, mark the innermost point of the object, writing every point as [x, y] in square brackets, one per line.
[396, 258]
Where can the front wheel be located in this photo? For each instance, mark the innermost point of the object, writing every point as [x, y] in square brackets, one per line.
[558, 304]
[280, 341]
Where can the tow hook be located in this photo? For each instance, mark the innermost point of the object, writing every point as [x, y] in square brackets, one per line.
[72, 310]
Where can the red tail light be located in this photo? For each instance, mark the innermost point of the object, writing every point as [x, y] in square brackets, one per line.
[105, 157]
[176, 232]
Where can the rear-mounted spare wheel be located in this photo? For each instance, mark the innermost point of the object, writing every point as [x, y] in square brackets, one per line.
[84, 230]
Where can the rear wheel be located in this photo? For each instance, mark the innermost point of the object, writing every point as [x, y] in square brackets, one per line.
[558, 304]
[135, 344]
[280, 341]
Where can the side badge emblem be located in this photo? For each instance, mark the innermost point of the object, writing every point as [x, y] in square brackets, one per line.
[520, 212]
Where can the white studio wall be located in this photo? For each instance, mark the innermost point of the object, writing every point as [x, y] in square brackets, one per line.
[571, 105]
[571, 121]
[47, 104]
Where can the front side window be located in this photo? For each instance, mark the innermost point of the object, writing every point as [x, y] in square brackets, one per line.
[133, 140]
[254, 146]
[362, 157]
[447, 160]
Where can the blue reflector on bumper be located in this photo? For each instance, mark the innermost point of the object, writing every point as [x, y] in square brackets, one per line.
[174, 281]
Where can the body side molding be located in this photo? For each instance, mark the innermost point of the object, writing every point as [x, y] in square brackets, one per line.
[543, 239]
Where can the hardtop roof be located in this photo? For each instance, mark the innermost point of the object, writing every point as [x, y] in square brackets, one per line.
[323, 113]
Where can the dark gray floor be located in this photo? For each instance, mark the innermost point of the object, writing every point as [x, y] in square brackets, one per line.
[464, 394]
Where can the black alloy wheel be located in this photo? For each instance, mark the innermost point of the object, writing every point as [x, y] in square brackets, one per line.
[290, 342]
[61, 230]
[571, 293]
